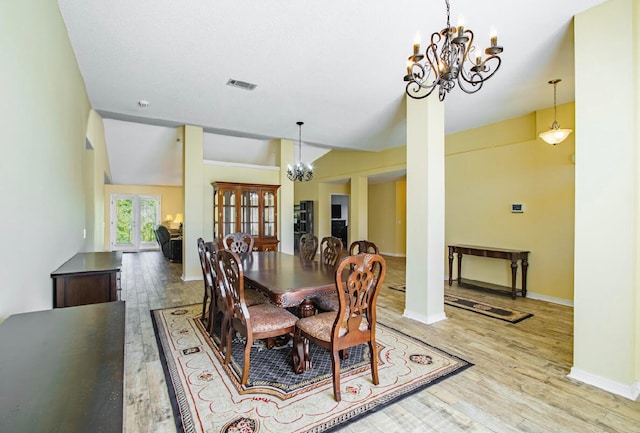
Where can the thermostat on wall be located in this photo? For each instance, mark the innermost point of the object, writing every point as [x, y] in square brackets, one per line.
[517, 208]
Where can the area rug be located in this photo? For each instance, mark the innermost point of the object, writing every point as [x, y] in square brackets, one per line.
[207, 396]
[513, 316]
[507, 314]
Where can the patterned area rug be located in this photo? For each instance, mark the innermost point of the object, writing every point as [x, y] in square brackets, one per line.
[208, 397]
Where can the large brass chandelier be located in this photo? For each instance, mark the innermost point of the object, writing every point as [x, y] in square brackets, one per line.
[300, 172]
[456, 61]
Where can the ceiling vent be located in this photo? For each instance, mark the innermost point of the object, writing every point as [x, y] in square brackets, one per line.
[241, 84]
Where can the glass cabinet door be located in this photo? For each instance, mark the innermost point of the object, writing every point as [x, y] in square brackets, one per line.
[249, 222]
[228, 212]
[269, 214]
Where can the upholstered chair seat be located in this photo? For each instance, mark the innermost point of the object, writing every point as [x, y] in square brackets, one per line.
[269, 318]
[320, 326]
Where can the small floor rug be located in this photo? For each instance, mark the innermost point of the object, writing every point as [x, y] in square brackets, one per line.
[207, 396]
[509, 315]
[513, 316]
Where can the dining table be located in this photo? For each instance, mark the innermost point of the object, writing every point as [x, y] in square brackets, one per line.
[288, 280]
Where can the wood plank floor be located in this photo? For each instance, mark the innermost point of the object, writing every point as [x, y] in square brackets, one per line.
[518, 383]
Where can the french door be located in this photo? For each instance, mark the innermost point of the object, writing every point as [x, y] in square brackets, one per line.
[133, 220]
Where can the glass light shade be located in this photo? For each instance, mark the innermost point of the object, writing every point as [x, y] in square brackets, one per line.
[178, 219]
[555, 135]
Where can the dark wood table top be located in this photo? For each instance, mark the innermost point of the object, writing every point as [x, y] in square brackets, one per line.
[62, 370]
[90, 262]
[287, 279]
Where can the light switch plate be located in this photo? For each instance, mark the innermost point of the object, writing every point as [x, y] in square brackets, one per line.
[517, 208]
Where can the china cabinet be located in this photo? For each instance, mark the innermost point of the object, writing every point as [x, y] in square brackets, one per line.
[247, 208]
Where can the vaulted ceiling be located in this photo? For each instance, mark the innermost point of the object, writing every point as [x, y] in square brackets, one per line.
[337, 66]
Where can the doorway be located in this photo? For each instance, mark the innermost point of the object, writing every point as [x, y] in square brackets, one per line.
[133, 220]
[340, 217]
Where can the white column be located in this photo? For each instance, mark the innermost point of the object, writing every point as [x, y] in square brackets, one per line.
[359, 209]
[193, 187]
[424, 299]
[607, 215]
[285, 201]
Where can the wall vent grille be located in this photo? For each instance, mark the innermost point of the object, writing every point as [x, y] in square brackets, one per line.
[241, 84]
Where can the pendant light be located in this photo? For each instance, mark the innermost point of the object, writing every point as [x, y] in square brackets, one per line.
[555, 135]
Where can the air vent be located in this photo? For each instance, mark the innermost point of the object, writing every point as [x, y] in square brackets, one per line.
[241, 84]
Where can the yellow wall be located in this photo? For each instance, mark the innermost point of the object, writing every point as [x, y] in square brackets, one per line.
[382, 216]
[45, 108]
[488, 169]
[170, 198]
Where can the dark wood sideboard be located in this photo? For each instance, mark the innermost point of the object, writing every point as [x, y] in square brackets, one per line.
[495, 253]
[87, 278]
[62, 370]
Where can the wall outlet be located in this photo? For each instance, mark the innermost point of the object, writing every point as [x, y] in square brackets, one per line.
[84, 233]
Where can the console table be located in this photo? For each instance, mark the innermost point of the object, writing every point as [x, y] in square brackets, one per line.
[495, 253]
[62, 370]
[87, 278]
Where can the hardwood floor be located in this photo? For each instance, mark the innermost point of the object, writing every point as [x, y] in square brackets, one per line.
[518, 383]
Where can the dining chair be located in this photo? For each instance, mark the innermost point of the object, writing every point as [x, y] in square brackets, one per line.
[239, 243]
[363, 246]
[308, 246]
[353, 324]
[209, 298]
[254, 322]
[330, 250]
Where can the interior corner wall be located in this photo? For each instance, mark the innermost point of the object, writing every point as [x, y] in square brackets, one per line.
[96, 168]
[607, 211]
[45, 105]
[491, 167]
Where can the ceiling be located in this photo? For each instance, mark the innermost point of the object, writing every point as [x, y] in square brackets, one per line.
[337, 66]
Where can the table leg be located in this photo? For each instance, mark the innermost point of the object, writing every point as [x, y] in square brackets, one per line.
[450, 266]
[514, 271]
[525, 265]
[459, 267]
[300, 355]
[307, 308]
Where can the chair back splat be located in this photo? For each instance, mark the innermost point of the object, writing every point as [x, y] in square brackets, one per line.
[363, 246]
[239, 243]
[353, 324]
[308, 246]
[330, 250]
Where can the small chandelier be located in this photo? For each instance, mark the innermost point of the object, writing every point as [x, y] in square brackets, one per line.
[300, 172]
[459, 62]
[555, 135]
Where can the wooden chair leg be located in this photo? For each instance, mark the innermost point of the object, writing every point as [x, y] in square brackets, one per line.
[373, 356]
[228, 339]
[204, 305]
[246, 361]
[335, 364]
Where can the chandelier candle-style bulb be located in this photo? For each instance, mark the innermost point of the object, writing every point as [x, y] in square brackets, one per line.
[449, 61]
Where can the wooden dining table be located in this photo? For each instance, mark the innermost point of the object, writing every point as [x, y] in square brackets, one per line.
[288, 280]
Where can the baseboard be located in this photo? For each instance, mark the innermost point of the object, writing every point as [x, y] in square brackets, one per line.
[382, 253]
[551, 299]
[540, 297]
[424, 319]
[632, 391]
